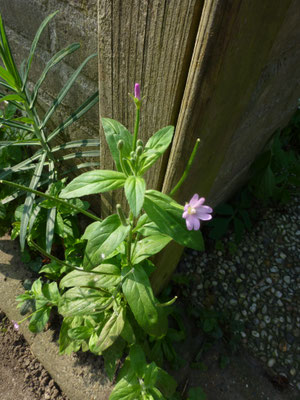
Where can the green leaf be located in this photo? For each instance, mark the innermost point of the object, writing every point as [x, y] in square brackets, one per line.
[136, 285]
[137, 360]
[149, 246]
[112, 356]
[156, 146]
[16, 125]
[103, 238]
[39, 319]
[83, 301]
[151, 374]
[135, 187]
[114, 131]
[81, 110]
[80, 333]
[76, 143]
[29, 200]
[167, 215]
[51, 292]
[33, 142]
[11, 97]
[64, 91]
[128, 333]
[196, 393]
[34, 44]
[112, 329]
[105, 275]
[91, 182]
[66, 344]
[125, 391]
[239, 229]
[165, 383]
[53, 61]
[219, 227]
[4, 74]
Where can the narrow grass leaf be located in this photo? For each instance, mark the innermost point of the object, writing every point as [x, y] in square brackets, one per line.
[64, 91]
[81, 110]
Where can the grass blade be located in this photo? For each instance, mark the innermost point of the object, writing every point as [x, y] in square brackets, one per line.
[80, 154]
[33, 142]
[76, 143]
[7, 54]
[21, 166]
[34, 44]
[33, 216]
[79, 166]
[29, 201]
[53, 61]
[89, 103]
[51, 215]
[65, 90]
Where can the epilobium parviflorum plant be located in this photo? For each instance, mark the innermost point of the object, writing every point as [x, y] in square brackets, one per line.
[42, 164]
[107, 302]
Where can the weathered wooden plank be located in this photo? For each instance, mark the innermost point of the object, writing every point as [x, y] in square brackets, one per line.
[232, 47]
[149, 42]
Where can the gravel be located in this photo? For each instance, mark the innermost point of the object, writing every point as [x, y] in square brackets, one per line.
[260, 284]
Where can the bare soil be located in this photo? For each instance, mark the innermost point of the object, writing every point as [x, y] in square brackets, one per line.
[22, 376]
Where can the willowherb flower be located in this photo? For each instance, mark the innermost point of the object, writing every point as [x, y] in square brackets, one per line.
[195, 211]
[137, 91]
[16, 325]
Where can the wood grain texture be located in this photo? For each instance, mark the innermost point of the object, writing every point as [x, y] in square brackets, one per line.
[150, 42]
[232, 48]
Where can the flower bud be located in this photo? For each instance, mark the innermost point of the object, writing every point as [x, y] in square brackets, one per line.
[140, 143]
[137, 91]
[120, 145]
[139, 150]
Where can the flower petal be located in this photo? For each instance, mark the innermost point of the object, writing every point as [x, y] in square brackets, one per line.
[204, 216]
[205, 209]
[196, 222]
[185, 214]
[194, 200]
[189, 224]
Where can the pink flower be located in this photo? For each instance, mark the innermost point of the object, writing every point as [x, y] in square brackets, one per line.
[137, 91]
[195, 211]
[16, 325]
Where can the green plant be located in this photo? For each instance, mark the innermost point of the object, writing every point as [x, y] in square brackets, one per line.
[105, 298]
[42, 164]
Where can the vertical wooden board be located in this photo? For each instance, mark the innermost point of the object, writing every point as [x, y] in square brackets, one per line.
[232, 47]
[149, 42]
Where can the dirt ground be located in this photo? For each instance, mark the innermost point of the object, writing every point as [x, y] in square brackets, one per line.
[21, 375]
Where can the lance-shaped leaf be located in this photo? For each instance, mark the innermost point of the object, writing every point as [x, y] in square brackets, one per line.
[98, 181]
[81, 110]
[103, 238]
[156, 146]
[103, 276]
[29, 201]
[76, 143]
[136, 285]
[54, 60]
[4, 74]
[167, 215]
[64, 91]
[51, 216]
[34, 44]
[82, 165]
[12, 97]
[31, 142]
[149, 246]
[112, 329]
[114, 131]
[135, 187]
[80, 154]
[83, 301]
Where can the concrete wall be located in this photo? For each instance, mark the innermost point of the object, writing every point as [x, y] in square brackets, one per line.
[75, 22]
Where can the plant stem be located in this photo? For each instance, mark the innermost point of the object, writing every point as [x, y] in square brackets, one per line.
[187, 169]
[136, 127]
[48, 196]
